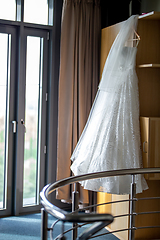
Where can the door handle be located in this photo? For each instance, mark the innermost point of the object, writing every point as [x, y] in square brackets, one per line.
[144, 146]
[14, 126]
[23, 123]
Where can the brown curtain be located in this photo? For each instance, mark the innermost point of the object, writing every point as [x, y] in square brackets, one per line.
[79, 76]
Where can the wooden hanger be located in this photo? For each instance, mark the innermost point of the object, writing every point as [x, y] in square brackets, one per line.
[135, 39]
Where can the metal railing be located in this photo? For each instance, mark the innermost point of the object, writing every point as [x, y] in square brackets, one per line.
[100, 220]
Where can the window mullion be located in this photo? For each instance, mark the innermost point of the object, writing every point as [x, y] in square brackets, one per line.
[19, 10]
[50, 12]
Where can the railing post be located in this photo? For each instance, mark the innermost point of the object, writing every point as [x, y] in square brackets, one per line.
[132, 209]
[44, 224]
[75, 202]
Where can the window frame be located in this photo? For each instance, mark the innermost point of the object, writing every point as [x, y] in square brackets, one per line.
[54, 31]
[11, 139]
[21, 114]
[20, 11]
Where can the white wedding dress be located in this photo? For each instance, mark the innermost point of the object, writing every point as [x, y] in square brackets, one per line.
[111, 137]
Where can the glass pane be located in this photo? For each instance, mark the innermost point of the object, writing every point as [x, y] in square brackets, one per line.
[32, 121]
[8, 9]
[5, 40]
[36, 11]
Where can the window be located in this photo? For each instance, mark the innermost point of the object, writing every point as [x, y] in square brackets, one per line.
[8, 9]
[5, 40]
[36, 11]
[25, 77]
[33, 102]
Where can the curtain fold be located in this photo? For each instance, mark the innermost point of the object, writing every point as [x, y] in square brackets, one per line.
[78, 81]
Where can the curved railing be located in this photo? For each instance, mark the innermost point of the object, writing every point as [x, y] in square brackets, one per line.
[103, 219]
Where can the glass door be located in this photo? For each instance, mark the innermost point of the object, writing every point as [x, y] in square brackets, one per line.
[32, 124]
[5, 40]
[32, 119]
[7, 114]
[23, 104]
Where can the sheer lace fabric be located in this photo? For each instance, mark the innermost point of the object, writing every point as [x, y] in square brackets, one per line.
[111, 137]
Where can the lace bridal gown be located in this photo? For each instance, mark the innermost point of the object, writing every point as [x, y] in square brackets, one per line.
[111, 137]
